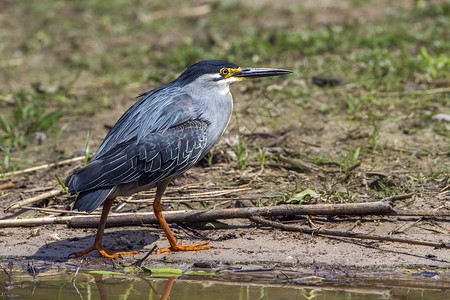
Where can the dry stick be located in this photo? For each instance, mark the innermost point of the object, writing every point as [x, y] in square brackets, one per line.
[191, 188]
[39, 189]
[42, 167]
[35, 221]
[391, 199]
[34, 199]
[423, 214]
[419, 92]
[192, 11]
[189, 199]
[60, 211]
[303, 166]
[7, 98]
[373, 173]
[371, 208]
[63, 219]
[406, 226]
[6, 185]
[198, 187]
[138, 263]
[23, 203]
[351, 168]
[347, 175]
[220, 192]
[444, 189]
[346, 234]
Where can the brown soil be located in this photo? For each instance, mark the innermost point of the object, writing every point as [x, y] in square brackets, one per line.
[297, 130]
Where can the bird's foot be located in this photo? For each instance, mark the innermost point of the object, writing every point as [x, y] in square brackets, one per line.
[103, 251]
[181, 247]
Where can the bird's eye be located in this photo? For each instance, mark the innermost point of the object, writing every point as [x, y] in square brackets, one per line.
[224, 72]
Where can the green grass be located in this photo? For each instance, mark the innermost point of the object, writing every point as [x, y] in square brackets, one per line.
[370, 55]
[261, 156]
[30, 114]
[94, 51]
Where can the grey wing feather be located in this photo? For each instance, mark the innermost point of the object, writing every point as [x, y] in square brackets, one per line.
[156, 111]
[142, 147]
[155, 157]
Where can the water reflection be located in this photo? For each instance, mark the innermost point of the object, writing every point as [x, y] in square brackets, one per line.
[59, 285]
[168, 287]
[103, 295]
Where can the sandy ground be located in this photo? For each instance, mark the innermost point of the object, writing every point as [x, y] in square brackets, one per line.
[241, 244]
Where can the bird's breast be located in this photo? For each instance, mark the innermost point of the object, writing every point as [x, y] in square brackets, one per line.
[218, 116]
[214, 104]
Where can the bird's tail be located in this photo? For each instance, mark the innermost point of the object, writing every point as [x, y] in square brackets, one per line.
[85, 178]
[90, 200]
[85, 182]
[69, 183]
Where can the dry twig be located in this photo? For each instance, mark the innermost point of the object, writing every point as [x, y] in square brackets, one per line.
[300, 165]
[348, 234]
[58, 211]
[35, 221]
[42, 167]
[371, 208]
[419, 92]
[34, 199]
[326, 232]
[222, 191]
[6, 185]
[64, 219]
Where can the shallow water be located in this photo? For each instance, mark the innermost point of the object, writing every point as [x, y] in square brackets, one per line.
[59, 285]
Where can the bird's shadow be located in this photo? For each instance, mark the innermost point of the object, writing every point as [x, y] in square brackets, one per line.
[120, 240]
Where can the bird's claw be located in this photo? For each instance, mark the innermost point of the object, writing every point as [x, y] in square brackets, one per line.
[181, 247]
[103, 251]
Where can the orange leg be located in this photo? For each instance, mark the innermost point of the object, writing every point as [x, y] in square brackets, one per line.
[174, 246]
[98, 238]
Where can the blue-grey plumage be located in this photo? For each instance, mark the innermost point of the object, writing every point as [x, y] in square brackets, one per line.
[166, 132]
[135, 165]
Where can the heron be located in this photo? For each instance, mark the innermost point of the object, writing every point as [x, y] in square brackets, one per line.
[162, 135]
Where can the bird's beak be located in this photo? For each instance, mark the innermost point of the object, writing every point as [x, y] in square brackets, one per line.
[245, 73]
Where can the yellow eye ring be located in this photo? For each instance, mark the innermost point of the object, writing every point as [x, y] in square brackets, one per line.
[224, 72]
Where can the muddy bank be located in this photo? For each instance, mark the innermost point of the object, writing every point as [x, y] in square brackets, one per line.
[242, 243]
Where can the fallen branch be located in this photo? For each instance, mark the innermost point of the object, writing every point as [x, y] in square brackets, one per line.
[192, 194]
[42, 167]
[371, 208]
[35, 221]
[7, 185]
[58, 211]
[300, 165]
[418, 92]
[347, 175]
[34, 199]
[348, 234]
[326, 232]
[391, 199]
[423, 214]
[39, 189]
[184, 12]
[63, 219]
[149, 201]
